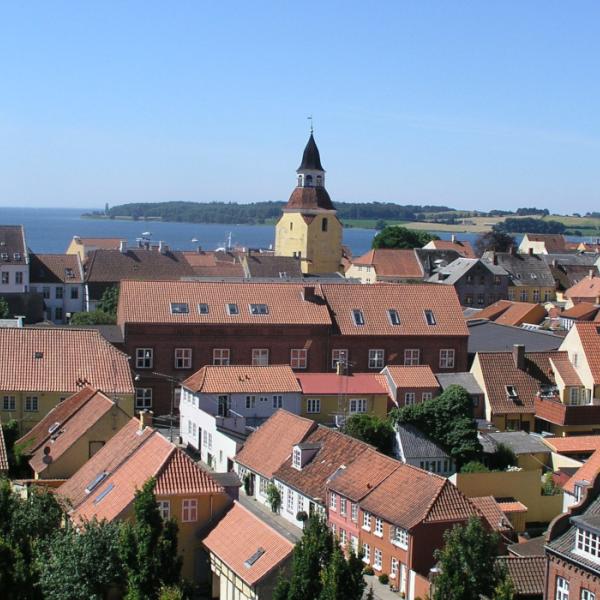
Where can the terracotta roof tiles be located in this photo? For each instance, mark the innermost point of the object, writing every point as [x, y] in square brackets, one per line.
[589, 334]
[573, 444]
[463, 247]
[588, 287]
[527, 573]
[55, 268]
[508, 312]
[416, 376]
[181, 475]
[492, 512]
[309, 198]
[332, 383]
[587, 472]
[392, 263]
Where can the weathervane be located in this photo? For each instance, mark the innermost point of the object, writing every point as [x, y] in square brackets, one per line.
[311, 124]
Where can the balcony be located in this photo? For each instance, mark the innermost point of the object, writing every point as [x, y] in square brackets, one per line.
[550, 409]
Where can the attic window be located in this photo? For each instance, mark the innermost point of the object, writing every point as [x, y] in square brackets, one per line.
[38, 355]
[357, 315]
[250, 561]
[511, 392]
[92, 485]
[533, 276]
[393, 316]
[179, 308]
[430, 317]
[53, 427]
[4, 256]
[103, 494]
[297, 459]
[203, 308]
[232, 309]
[17, 256]
[69, 273]
[259, 309]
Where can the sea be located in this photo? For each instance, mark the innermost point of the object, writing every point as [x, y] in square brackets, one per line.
[50, 230]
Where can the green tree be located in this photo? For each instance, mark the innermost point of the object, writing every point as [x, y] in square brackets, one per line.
[396, 236]
[467, 563]
[474, 466]
[148, 548]
[16, 454]
[505, 590]
[498, 241]
[4, 308]
[95, 317]
[109, 301]
[342, 580]
[273, 497]
[372, 429]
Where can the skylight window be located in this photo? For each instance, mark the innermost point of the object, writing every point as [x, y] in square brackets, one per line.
[232, 309]
[92, 485]
[511, 391]
[393, 316]
[357, 315]
[430, 317]
[179, 308]
[53, 427]
[203, 308]
[259, 309]
[103, 494]
[250, 561]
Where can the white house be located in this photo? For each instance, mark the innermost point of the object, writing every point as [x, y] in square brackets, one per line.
[14, 260]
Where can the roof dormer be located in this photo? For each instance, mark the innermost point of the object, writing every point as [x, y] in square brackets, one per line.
[303, 453]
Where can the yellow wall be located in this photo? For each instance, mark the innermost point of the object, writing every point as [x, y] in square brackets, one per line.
[501, 421]
[330, 405]
[532, 462]
[366, 273]
[46, 402]
[524, 486]
[514, 293]
[321, 251]
[76, 247]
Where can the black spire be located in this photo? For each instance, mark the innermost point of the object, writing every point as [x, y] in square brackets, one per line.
[311, 158]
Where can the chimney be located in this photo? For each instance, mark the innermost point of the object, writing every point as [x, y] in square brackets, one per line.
[162, 247]
[519, 356]
[453, 238]
[145, 419]
[123, 246]
[591, 273]
[308, 293]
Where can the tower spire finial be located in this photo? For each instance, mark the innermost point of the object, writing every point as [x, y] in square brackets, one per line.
[311, 124]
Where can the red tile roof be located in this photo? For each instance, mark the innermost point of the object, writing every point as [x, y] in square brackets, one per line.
[234, 379]
[181, 475]
[554, 242]
[309, 198]
[417, 376]
[67, 359]
[12, 239]
[238, 536]
[392, 263]
[586, 311]
[332, 383]
[574, 444]
[588, 287]
[512, 506]
[507, 312]
[587, 472]
[563, 367]
[492, 512]
[102, 243]
[410, 301]
[55, 268]
[3, 453]
[463, 247]
[527, 573]
[271, 444]
[589, 334]
[215, 263]
[150, 302]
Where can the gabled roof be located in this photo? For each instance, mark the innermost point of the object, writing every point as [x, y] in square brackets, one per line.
[410, 301]
[465, 380]
[463, 247]
[271, 444]
[492, 512]
[588, 287]
[587, 472]
[585, 311]
[414, 444]
[567, 275]
[234, 379]
[574, 444]
[527, 573]
[332, 383]
[247, 545]
[525, 269]
[457, 269]
[55, 268]
[415, 376]
[12, 245]
[553, 242]
[61, 360]
[509, 312]
[398, 263]
[269, 265]
[150, 302]
[589, 334]
[562, 366]
[100, 243]
[215, 263]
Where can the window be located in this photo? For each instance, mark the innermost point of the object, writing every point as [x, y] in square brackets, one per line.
[429, 317]
[377, 559]
[447, 358]
[183, 358]
[497, 280]
[313, 405]
[358, 405]
[378, 527]
[189, 510]
[19, 277]
[343, 507]
[394, 568]
[143, 398]
[5, 279]
[376, 359]
[399, 537]
[31, 404]
[179, 308]
[412, 357]
[300, 503]
[277, 401]
[221, 356]
[232, 309]
[9, 403]
[58, 313]
[224, 404]
[202, 308]
[480, 299]
[260, 357]
[262, 486]
[259, 309]
[393, 316]
[250, 401]
[58, 292]
[143, 358]
[562, 589]
[354, 544]
[536, 295]
[587, 595]
[343, 537]
[297, 458]
[358, 317]
[324, 223]
[523, 295]
[74, 293]
[164, 508]
[575, 359]
[367, 521]
[426, 396]
[290, 500]
[469, 278]
[366, 553]
[46, 292]
[354, 512]
[469, 299]
[409, 398]
[298, 358]
[587, 543]
[333, 501]
[338, 356]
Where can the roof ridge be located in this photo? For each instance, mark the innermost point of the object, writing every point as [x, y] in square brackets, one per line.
[257, 518]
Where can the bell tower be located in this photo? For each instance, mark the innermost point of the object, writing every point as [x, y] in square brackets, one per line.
[309, 228]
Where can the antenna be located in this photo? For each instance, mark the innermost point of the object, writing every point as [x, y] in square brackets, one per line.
[312, 129]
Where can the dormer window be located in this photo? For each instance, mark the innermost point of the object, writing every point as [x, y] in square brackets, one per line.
[393, 316]
[587, 543]
[17, 256]
[358, 317]
[203, 308]
[297, 459]
[232, 309]
[511, 392]
[259, 309]
[430, 317]
[179, 308]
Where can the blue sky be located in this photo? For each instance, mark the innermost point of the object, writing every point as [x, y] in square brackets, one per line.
[468, 104]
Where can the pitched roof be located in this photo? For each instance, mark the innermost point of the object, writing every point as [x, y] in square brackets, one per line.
[410, 301]
[525, 269]
[527, 573]
[269, 265]
[12, 245]
[55, 268]
[150, 302]
[565, 369]
[61, 360]
[109, 266]
[588, 287]
[311, 158]
[100, 243]
[567, 275]
[416, 376]
[532, 547]
[589, 334]
[463, 247]
[492, 512]
[309, 198]
[334, 450]
[414, 444]
[247, 545]
[332, 383]
[587, 472]
[271, 444]
[457, 269]
[215, 263]
[573, 444]
[487, 336]
[553, 242]
[234, 379]
[508, 312]
[181, 475]
[392, 263]
[3, 454]
[465, 380]
[586, 311]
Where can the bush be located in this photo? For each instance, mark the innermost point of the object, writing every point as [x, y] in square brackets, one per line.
[274, 497]
[95, 317]
[368, 570]
[384, 579]
[474, 466]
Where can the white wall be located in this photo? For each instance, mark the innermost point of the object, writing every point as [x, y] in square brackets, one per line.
[68, 304]
[263, 405]
[12, 287]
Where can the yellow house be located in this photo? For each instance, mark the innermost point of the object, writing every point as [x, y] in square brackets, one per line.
[83, 245]
[309, 228]
[71, 433]
[43, 366]
[105, 486]
[330, 398]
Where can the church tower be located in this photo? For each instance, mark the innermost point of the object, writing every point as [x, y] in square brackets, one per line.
[309, 228]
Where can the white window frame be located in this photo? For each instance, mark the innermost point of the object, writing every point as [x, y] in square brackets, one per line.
[394, 567]
[164, 508]
[399, 537]
[232, 309]
[377, 559]
[354, 512]
[339, 355]
[221, 357]
[409, 398]
[290, 500]
[378, 527]
[447, 358]
[144, 358]
[313, 406]
[358, 317]
[343, 503]
[250, 401]
[298, 358]
[426, 396]
[277, 401]
[143, 398]
[376, 358]
[333, 501]
[260, 357]
[189, 510]
[562, 588]
[357, 405]
[412, 357]
[297, 458]
[587, 594]
[366, 553]
[366, 521]
[183, 358]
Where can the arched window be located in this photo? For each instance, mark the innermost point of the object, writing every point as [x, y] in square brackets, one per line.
[308, 179]
[299, 180]
[324, 224]
[319, 180]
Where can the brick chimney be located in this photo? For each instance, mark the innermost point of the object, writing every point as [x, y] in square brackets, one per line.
[453, 238]
[146, 417]
[123, 246]
[591, 273]
[519, 356]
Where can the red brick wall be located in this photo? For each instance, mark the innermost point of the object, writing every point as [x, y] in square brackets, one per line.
[577, 577]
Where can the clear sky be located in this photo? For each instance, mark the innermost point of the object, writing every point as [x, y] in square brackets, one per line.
[468, 104]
